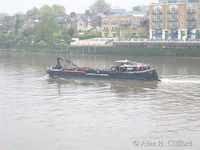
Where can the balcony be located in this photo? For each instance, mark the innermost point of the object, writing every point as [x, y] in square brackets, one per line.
[157, 27]
[191, 26]
[156, 20]
[172, 20]
[157, 12]
[173, 27]
[192, 19]
[113, 23]
[125, 23]
[191, 11]
[105, 23]
[172, 11]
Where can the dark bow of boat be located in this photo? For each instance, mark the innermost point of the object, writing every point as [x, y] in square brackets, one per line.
[123, 70]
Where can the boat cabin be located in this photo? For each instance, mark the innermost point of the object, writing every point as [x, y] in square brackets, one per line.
[128, 66]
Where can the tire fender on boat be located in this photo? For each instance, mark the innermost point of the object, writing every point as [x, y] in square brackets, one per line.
[98, 71]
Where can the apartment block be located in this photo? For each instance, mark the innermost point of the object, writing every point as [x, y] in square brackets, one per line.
[174, 19]
[127, 25]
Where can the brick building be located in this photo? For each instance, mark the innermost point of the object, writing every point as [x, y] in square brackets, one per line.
[174, 19]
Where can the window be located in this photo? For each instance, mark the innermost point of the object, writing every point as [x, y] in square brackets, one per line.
[173, 9]
[158, 10]
[157, 18]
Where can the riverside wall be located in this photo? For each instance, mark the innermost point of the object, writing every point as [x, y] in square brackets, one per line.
[122, 48]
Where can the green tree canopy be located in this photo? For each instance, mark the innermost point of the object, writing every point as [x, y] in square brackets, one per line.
[100, 6]
[58, 9]
[47, 25]
[197, 34]
[46, 9]
[136, 8]
[33, 11]
[17, 24]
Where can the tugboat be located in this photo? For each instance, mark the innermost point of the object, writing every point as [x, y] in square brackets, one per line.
[123, 70]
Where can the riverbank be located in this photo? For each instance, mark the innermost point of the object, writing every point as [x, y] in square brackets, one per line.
[111, 50]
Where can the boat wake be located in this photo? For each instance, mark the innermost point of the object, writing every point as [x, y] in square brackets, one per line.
[193, 79]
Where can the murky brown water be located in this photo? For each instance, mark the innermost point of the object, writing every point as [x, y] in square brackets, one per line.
[38, 113]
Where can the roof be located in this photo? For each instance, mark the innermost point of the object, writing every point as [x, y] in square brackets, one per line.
[136, 13]
[61, 19]
[118, 15]
[118, 10]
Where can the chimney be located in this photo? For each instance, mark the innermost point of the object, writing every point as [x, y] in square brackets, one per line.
[72, 15]
[87, 12]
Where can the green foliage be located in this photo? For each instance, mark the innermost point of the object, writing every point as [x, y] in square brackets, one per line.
[46, 10]
[57, 36]
[76, 33]
[17, 24]
[28, 32]
[197, 34]
[66, 36]
[106, 33]
[87, 34]
[45, 31]
[1, 38]
[100, 6]
[42, 42]
[128, 32]
[33, 11]
[136, 8]
[5, 42]
[118, 32]
[182, 33]
[97, 33]
[47, 25]
[58, 9]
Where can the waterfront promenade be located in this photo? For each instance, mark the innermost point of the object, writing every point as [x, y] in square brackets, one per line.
[135, 42]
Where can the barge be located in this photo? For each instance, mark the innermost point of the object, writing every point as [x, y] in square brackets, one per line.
[123, 70]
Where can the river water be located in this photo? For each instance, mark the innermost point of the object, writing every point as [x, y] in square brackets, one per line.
[39, 113]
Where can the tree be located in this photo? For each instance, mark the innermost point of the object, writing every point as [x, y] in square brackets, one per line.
[182, 34]
[118, 32]
[128, 32]
[58, 9]
[47, 25]
[32, 12]
[28, 32]
[66, 36]
[197, 34]
[17, 24]
[136, 8]
[106, 33]
[57, 36]
[97, 33]
[100, 6]
[2, 38]
[46, 9]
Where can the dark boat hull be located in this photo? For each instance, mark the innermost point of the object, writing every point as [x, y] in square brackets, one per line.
[146, 75]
